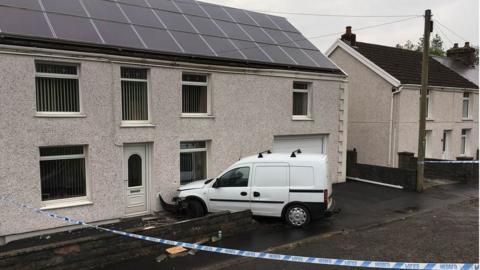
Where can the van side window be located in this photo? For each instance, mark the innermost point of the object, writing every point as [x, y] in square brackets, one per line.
[301, 176]
[237, 177]
[271, 176]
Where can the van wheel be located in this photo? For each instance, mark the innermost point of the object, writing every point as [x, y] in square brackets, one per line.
[195, 209]
[297, 215]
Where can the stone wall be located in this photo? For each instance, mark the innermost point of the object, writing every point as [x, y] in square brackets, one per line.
[93, 251]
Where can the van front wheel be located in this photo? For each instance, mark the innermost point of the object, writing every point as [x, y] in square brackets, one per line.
[297, 215]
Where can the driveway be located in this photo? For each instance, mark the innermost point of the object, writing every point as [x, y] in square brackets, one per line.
[361, 204]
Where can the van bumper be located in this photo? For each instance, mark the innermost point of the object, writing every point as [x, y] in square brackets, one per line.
[322, 209]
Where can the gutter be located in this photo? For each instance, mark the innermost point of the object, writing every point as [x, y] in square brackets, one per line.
[391, 142]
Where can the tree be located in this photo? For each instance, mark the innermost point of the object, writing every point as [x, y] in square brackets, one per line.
[436, 45]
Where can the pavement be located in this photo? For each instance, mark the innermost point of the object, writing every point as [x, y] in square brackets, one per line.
[362, 206]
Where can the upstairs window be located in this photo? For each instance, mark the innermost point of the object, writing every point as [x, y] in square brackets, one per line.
[134, 94]
[62, 172]
[429, 105]
[57, 88]
[193, 161]
[301, 100]
[195, 96]
[466, 105]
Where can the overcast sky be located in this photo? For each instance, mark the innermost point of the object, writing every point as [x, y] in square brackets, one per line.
[461, 16]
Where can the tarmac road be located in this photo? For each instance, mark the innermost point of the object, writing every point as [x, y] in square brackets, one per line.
[361, 205]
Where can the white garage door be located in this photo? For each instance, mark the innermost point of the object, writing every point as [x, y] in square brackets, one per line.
[307, 143]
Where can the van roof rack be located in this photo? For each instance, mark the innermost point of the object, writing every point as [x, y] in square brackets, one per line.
[260, 155]
[298, 151]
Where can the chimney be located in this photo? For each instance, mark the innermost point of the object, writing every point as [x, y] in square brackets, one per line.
[465, 54]
[348, 37]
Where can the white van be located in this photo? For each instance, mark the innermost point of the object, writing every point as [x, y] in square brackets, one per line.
[294, 186]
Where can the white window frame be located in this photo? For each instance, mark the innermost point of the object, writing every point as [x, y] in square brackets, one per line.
[309, 100]
[137, 123]
[61, 76]
[209, 94]
[429, 105]
[194, 150]
[69, 202]
[469, 102]
[428, 142]
[464, 142]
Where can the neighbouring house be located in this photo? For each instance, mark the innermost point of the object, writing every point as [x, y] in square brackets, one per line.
[106, 104]
[383, 107]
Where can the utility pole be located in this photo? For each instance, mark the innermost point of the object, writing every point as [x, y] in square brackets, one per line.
[423, 99]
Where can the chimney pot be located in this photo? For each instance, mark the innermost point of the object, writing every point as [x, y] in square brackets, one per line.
[467, 44]
[455, 45]
[348, 30]
[349, 37]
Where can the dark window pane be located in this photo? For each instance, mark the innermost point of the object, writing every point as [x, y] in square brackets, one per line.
[56, 68]
[61, 151]
[192, 145]
[61, 179]
[134, 100]
[193, 166]
[133, 73]
[235, 178]
[134, 171]
[57, 95]
[300, 103]
[194, 99]
[300, 85]
[194, 78]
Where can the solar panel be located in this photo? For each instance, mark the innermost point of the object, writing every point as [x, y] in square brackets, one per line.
[192, 44]
[84, 31]
[205, 26]
[110, 33]
[141, 16]
[71, 7]
[158, 39]
[24, 22]
[165, 26]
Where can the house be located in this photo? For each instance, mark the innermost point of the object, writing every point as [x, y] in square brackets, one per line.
[383, 108]
[106, 104]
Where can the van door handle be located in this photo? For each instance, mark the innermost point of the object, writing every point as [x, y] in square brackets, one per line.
[243, 193]
[256, 194]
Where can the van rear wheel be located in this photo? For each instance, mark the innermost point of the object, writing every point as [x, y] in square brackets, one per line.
[297, 215]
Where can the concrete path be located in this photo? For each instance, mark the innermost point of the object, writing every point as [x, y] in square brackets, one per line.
[362, 205]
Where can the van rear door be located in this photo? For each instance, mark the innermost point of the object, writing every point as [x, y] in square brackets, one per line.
[269, 189]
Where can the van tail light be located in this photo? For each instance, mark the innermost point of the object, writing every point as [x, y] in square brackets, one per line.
[325, 196]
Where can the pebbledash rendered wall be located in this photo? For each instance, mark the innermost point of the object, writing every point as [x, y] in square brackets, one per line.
[249, 107]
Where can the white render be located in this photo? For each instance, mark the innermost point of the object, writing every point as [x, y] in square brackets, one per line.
[248, 108]
[383, 114]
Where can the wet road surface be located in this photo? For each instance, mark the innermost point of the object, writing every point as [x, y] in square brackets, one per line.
[361, 204]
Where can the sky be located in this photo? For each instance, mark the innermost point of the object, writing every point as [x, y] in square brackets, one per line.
[460, 16]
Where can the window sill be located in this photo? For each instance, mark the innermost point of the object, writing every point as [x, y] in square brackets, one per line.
[60, 115]
[207, 116]
[467, 119]
[429, 119]
[67, 204]
[301, 118]
[135, 125]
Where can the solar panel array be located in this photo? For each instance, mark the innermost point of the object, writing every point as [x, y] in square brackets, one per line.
[184, 27]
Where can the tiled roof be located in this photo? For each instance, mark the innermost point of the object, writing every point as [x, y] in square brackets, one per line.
[406, 66]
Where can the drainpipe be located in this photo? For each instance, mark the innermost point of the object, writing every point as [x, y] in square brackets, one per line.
[395, 90]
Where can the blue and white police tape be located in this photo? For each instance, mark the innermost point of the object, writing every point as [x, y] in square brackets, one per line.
[452, 161]
[260, 255]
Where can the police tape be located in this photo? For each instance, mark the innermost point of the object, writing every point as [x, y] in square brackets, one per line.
[452, 161]
[259, 255]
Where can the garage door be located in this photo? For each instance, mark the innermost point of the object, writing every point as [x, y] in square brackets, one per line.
[307, 143]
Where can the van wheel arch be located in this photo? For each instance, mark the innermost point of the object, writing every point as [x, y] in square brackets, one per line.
[195, 198]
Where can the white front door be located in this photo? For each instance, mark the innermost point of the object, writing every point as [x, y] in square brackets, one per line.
[446, 144]
[135, 176]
